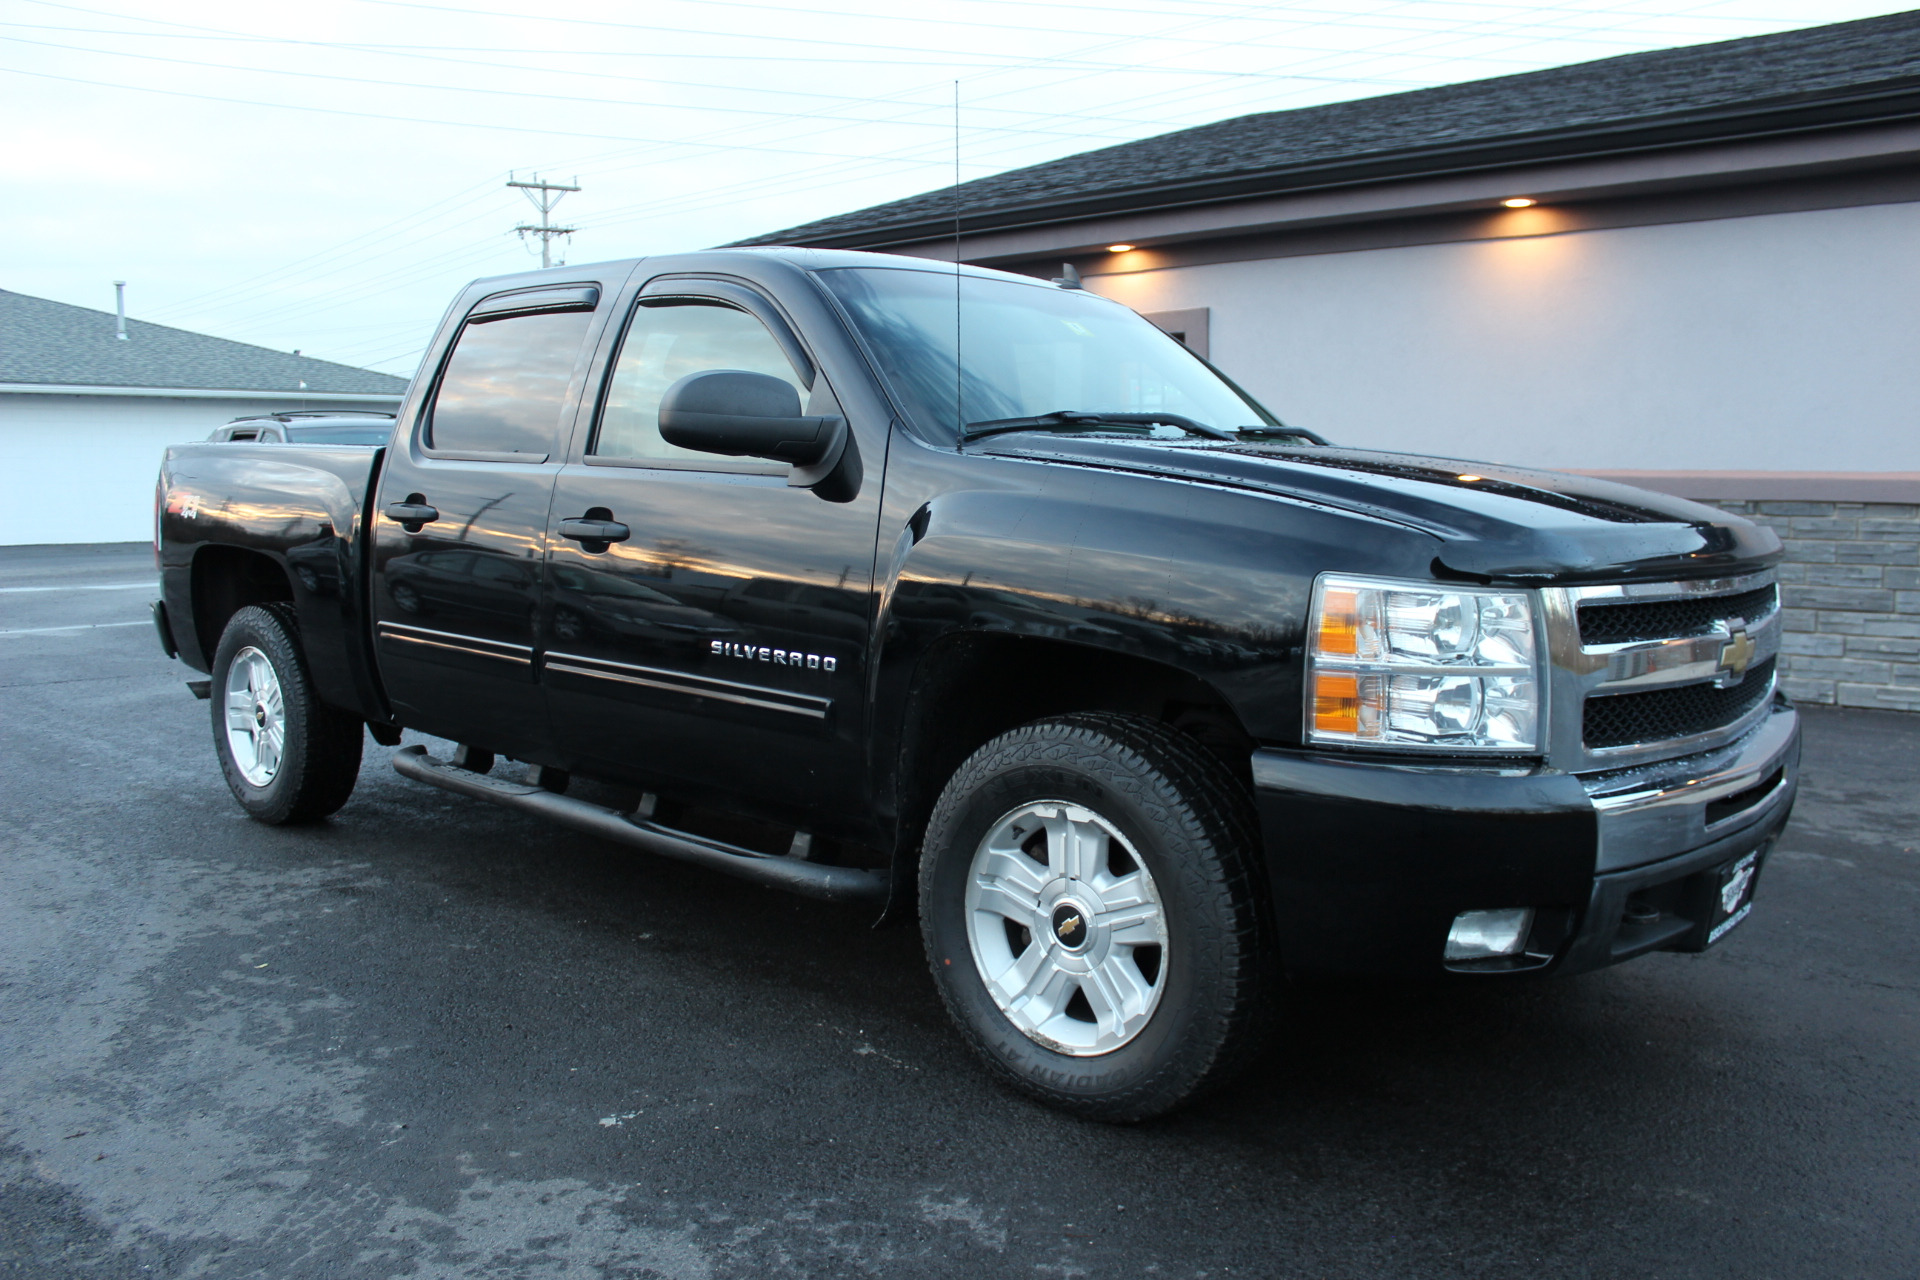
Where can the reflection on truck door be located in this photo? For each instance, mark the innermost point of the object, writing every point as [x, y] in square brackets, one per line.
[725, 641]
[454, 598]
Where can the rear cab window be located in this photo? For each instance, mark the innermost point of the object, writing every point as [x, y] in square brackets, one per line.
[503, 390]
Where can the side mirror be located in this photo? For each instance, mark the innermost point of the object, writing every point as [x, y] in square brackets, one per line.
[753, 415]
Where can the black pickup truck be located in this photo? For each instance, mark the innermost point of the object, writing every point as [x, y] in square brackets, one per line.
[976, 597]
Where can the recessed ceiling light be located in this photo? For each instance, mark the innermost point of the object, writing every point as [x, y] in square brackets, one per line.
[1467, 478]
[1520, 202]
[1119, 248]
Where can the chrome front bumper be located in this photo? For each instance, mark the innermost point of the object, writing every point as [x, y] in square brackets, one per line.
[1658, 810]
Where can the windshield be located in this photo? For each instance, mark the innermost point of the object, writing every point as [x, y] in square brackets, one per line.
[1028, 351]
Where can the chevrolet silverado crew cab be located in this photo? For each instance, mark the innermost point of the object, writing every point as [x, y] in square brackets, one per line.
[978, 598]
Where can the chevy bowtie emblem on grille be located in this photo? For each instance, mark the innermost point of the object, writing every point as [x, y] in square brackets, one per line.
[1737, 652]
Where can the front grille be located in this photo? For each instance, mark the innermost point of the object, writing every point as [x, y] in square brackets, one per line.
[1664, 619]
[1622, 719]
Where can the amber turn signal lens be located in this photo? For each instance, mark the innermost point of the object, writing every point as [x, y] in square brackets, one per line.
[1336, 702]
[1339, 630]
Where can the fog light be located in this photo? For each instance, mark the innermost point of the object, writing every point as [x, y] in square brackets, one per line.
[1482, 935]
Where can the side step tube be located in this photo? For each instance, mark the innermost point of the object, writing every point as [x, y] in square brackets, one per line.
[833, 884]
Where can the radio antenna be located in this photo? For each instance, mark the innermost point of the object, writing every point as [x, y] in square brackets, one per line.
[959, 409]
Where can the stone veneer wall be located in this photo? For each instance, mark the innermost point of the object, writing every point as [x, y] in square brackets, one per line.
[1850, 588]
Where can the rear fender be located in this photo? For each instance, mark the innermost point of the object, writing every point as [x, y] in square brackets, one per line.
[228, 511]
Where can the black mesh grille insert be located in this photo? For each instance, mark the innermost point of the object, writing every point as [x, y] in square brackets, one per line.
[1622, 719]
[1665, 619]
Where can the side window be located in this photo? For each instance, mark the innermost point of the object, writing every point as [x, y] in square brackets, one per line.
[505, 384]
[664, 343]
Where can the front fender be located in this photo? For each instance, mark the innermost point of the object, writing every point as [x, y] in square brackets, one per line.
[1210, 581]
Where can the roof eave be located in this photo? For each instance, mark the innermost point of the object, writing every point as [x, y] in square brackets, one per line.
[196, 393]
[1891, 103]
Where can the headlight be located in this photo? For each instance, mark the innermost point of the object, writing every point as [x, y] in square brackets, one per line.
[1416, 664]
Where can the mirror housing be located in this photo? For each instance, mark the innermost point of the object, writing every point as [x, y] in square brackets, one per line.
[752, 415]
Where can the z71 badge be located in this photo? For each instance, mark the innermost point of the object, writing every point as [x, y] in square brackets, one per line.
[778, 657]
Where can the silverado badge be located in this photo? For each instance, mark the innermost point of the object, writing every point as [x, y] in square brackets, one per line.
[778, 657]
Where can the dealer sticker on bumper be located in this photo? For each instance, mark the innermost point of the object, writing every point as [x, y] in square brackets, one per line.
[1735, 896]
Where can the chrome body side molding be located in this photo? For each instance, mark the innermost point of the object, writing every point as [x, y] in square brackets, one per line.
[455, 642]
[749, 695]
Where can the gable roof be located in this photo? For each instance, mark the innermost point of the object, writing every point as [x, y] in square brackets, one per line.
[1847, 73]
[44, 342]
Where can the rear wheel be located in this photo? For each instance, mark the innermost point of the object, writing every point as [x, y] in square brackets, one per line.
[287, 757]
[1091, 909]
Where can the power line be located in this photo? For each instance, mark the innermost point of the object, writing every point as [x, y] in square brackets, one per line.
[217, 34]
[681, 205]
[330, 256]
[279, 73]
[1492, 28]
[1196, 19]
[453, 124]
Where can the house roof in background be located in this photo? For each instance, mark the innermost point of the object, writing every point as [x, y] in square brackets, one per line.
[53, 343]
[1818, 77]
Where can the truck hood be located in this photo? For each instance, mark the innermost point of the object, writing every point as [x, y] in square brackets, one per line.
[1490, 521]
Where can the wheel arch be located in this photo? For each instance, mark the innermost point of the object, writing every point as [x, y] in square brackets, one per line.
[226, 580]
[972, 686]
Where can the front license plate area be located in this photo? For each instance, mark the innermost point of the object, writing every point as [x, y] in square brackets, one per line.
[1733, 895]
[1714, 900]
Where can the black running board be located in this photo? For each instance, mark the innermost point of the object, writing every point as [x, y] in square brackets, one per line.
[811, 879]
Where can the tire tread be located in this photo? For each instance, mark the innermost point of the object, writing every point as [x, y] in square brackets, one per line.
[1196, 797]
[317, 778]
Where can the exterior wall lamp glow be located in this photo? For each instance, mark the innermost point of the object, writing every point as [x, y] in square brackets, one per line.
[1119, 248]
[1520, 202]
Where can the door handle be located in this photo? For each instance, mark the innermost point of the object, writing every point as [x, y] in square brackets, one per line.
[590, 531]
[412, 514]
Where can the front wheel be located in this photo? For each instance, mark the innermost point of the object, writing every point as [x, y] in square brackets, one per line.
[287, 756]
[1090, 903]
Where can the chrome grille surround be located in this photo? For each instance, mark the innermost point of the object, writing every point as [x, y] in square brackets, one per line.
[1578, 671]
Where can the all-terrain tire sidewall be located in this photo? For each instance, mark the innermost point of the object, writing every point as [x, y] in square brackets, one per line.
[1192, 833]
[320, 758]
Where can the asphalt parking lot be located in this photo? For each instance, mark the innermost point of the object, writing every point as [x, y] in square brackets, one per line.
[433, 1038]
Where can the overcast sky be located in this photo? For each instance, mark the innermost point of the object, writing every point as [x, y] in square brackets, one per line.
[325, 176]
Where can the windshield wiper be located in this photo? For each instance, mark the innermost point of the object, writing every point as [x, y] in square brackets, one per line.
[1079, 419]
[1277, 432]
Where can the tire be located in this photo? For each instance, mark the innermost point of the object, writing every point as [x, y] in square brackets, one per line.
[305, 771]
[1170, 970]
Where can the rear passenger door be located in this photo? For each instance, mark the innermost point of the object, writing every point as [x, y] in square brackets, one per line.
[461, 516]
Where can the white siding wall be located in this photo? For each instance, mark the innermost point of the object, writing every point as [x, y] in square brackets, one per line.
[1783, 342]
[82, 468]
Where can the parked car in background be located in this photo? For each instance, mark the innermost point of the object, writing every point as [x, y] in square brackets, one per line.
[309, 426]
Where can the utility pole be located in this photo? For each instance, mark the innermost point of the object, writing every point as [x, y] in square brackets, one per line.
[550, 194]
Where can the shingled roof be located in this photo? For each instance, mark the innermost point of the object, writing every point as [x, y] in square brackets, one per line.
[52, 343]
[1847, 73]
